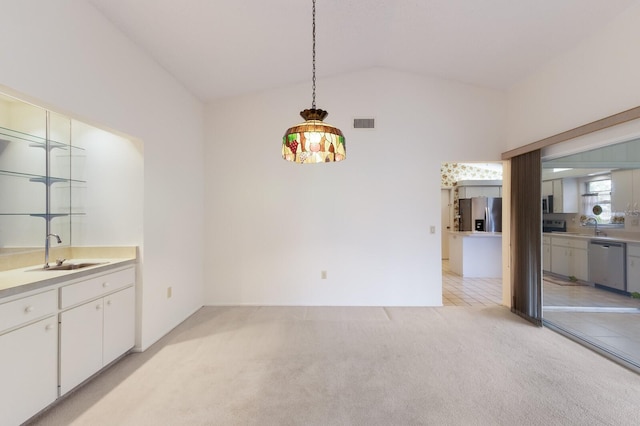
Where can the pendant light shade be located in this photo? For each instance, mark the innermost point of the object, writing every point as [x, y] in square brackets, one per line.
[313, 141]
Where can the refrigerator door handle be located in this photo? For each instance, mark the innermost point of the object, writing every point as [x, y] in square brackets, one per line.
[487, 219]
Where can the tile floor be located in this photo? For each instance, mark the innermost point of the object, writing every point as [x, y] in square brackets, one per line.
[608, 320]
[459, 291]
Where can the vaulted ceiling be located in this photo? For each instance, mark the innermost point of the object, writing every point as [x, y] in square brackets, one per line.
[221, 48]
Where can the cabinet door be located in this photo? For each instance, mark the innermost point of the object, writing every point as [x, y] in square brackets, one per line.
[579, 264]
[621, 190]
[558, 198]
[547, 188]
[633, 274]
[119, 324]
[80, 344]
[29, 370]
[546, 257]
[560, 263]
[565, 195]
[635, 188]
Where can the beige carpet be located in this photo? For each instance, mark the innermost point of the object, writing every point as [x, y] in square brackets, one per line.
[357, 366]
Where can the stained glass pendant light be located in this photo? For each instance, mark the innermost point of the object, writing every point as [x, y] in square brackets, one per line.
[313, 141]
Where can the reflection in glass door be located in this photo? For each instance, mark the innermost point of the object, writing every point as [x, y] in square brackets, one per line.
[591, 250]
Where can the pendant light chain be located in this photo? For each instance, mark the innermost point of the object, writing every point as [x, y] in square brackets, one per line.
[313, 141]
[313, 104]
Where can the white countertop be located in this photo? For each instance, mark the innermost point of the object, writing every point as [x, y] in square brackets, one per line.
[34, 277]
[591, 237]
[477, 234]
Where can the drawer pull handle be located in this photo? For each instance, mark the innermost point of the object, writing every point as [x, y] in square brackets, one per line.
[105, 284]
[29, 309]
[48, 327]
[98, 307]
[109, 302]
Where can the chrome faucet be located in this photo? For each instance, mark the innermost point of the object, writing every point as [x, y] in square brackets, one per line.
[593, 220]
[46, 248]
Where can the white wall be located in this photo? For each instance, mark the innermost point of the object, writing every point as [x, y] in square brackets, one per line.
[273, 226]
[112, 194]
[596, 79]
[66, 56]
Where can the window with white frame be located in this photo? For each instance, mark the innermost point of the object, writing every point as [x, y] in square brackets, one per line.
[598, 193]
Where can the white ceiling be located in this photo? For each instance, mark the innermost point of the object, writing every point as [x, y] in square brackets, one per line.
[220, 48]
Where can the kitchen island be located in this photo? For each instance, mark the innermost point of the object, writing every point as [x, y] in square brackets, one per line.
[476, 254]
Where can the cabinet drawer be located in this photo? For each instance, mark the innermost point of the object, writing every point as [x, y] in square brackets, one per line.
[560, 242]
[579, 244]
[546, 239]
[633, 250]
[95, 287]
[22, 311]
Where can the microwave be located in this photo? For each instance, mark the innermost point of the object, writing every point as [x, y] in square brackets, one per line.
[547, 204]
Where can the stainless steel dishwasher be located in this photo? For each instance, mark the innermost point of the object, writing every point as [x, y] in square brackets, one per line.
[607, 264]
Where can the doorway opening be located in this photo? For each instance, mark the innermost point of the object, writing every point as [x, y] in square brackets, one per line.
[471, 246]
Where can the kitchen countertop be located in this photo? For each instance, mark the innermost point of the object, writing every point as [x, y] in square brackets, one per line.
[477, 234]
[16, 281]
[591, 237]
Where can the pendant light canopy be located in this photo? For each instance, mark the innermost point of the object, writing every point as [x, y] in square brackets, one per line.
[313, 141]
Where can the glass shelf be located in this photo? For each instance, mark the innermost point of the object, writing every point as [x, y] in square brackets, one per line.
[39, 178]
[34, 140]
[43, 215]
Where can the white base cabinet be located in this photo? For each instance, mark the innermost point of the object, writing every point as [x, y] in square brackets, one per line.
[80, 344]
[570, 257]
[97, 332]
[118, 330]
[633, 268]
[54, 339]
[546, 253]
[475, 254]
[28, 357]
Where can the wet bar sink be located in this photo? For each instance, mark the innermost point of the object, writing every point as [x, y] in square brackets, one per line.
[71, 266]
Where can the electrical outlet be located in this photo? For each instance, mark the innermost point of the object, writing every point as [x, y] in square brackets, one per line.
[323, 275]
[169, 292]
[432, 229]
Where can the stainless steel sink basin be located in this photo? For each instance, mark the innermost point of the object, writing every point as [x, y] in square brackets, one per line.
[71, 266]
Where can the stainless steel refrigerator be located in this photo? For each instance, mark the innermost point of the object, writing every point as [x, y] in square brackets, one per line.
[480, 214]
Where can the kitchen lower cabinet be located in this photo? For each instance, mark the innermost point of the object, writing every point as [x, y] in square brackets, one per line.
[80, 344]
[475, 254]
[633, 268]
[119, 324]
[570, 257]
[96, 332]
[28, 357]
[546, 253]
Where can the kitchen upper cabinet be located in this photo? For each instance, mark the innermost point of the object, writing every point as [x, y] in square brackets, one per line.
[625, 190]
[565, 194]
[479, 188]
[570, 257]
[479, 191]
[28, 356]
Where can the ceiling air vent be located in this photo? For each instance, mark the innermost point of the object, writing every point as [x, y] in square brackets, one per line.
[363, 123]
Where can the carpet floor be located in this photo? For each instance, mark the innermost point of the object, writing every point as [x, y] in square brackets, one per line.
[356, 366]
